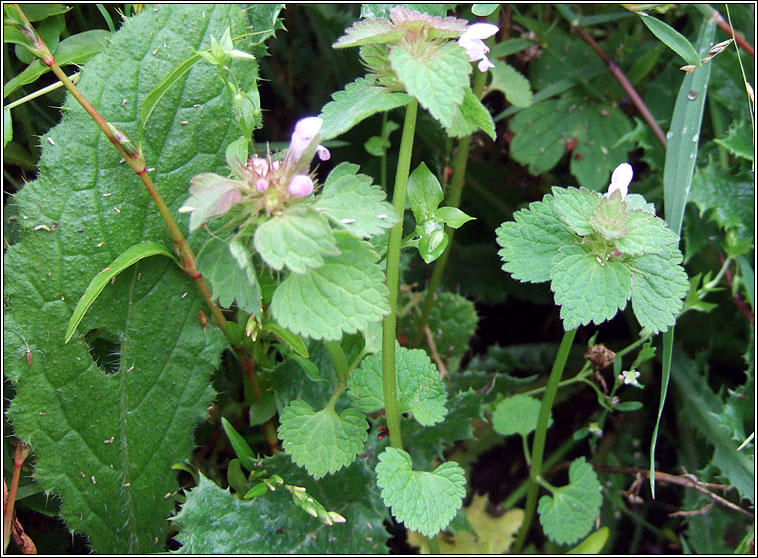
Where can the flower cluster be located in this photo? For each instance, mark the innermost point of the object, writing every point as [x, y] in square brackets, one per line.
[262, 183]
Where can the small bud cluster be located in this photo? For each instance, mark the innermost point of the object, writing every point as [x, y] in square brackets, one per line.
[268, 183]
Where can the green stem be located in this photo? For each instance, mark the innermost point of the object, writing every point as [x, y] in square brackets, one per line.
[538, 447]
[389, 325]
[434, 545]
[454, 200]
[383, 158]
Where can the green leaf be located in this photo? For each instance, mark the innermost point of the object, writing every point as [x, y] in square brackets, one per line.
[325, 441]
[424, 193]
[543, 131]
[484, 10]
[576, 206]
[212, 521]
[65, 406]
[359, 100]
[588, 290]
[452, 216]
[729, 197]
[684, 134]
[240, 446]
[385, 10]
[129, 257]
[532, 240]
[345, 294]
[593, 544]
[437, 78]
[609, 218]
[368, 32]
[470, 117]
[512, 83]
[75, 49]
[517, 415]
[295, 342]
[452, 321]
[424, 502]
[419, 388]
[645, 233]
[300, 238]
[351, 202]
[429, 442]
[739, 140]
[659, 285]
[701, 408]
[672, 39]
[229, 268]
[570, 512]
[38, 12]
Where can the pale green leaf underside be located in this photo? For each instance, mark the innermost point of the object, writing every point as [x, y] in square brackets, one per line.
[351, 202]
[230, 282]
[576, 206]
[645, 233]
[570, 512]
[129, 257]
[359, 100]
[323, 442]
[425, 502]
[139, 420]
[532, 240]
[299, 238]
[659, 284]
[516, 415]
[437, 79]
[419, 388]
[369, 31]
[345, 294]
[586, 290]
[212, 521]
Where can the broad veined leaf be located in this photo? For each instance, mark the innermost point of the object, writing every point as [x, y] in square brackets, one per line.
[569, 513]
[425, 501]
[576, 206]
[353, 203]
[105, 440]
[229, 268]
[424, 193]
[586, 289]
[300, 238]
[212, 521]
[531, 241]
[517, 415]
[345, 294]
[359, 100]
[471, 117]
[513, 84]
[543, 131]
[419, 388]
[322, 441]
[437, 78]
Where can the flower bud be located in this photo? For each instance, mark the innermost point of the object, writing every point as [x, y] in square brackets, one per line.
[323, 153]
[303, 144]
[300, 185]
[262, 185]
[620, 179]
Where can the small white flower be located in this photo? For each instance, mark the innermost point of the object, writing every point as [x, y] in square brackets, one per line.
[620, 179]
[630, 378]
[596, 430]
[472, 41]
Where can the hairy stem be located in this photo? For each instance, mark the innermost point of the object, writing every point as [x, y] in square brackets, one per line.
[540, 434]
[389, 325]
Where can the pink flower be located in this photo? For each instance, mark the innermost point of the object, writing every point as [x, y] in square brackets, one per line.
[472, 41]
[306, 132]
[323, 153]
[620, 179]
[262, 185]
[300, 185]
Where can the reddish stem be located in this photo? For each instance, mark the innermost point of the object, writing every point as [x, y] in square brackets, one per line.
[626, 85]
[22, 452]
[738, 38]
[743, 306]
